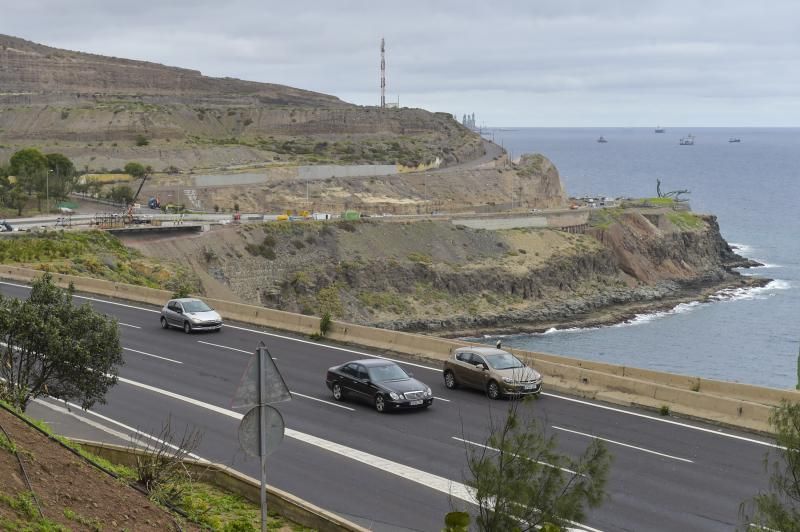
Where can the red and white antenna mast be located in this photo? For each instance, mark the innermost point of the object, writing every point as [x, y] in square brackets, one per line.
[383, 74]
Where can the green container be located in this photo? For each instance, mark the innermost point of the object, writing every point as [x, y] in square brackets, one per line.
[351, 215]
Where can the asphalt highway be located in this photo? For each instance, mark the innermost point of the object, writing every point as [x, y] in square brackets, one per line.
[403, 471]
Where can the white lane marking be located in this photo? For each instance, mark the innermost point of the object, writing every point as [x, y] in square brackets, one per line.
[441, 484]
[335, 348]
[152, 355]
[227, 347]
[322, 401]
[564, 469]
[624, 444]
[129, 325]
[668, 421]
[230, 348]
[102, 427]
[441, 399]
[586, 403]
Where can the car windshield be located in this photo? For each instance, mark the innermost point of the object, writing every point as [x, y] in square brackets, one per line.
[389, 372]
[504, 361]
[195, 306]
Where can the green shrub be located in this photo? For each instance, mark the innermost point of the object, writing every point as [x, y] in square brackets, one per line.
[325, 323]
[141, 140]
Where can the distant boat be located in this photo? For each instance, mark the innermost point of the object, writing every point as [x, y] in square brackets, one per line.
[734, 139]
[602, 140]
[687, 141]
[660, 129]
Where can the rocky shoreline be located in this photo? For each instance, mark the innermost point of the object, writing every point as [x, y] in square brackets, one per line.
[558, 316]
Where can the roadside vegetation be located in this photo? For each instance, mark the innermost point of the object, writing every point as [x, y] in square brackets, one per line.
[778, 508]
[521, 482]
[198, 505]
[50, 347]
[95, 254]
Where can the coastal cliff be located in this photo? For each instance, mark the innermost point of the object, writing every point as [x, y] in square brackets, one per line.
[443, 278]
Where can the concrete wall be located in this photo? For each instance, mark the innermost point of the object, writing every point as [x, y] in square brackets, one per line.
[285, 504]
[325, 171]
[221, 180]
[734, 404]
[493, 224]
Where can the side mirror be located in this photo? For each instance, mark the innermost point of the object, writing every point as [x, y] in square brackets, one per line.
[409, 374]
[482, 367]
[179, 310]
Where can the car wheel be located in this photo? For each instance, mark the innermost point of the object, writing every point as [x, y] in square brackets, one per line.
[450, 380]
[187, 327]
[338, 393]
[380, 403]
[164, 324]
[493, 390]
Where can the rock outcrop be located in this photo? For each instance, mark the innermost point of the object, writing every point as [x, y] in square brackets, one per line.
[447, 279]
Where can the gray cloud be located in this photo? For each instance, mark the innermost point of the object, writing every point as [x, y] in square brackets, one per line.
[567, 62]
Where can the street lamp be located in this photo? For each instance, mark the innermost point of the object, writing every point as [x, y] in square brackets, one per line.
[47, 191]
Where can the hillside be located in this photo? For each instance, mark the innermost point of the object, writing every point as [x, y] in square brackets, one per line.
[104, 111]
[440, 277]
[70, 493]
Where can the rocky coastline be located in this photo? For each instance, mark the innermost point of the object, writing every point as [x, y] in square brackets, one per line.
[602, 310]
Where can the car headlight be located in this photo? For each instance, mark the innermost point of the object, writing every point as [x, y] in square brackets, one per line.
[508, 380]
[428, 392]
[394, 396]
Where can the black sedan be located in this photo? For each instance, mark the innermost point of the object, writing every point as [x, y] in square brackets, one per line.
[379, 382]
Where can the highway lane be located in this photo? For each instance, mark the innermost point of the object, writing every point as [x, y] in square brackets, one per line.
[646, 491]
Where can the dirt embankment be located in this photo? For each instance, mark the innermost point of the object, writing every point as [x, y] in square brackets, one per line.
[70, 492]
[447, 279]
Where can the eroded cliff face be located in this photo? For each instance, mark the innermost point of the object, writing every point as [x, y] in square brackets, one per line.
[94, 109]
[50, 75]
[442, 278]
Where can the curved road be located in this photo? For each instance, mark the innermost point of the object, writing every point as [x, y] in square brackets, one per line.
[398, 471]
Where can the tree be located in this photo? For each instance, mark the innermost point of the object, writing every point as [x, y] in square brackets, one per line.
[779, 508]
[51, 347]
[135, 170]
[521, 482]
[17, 199]
[122, 194]
[30, 168]
[62, 175]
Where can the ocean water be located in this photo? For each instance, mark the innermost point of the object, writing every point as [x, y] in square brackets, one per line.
[753, 187]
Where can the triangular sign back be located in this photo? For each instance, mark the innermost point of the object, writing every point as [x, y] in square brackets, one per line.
[276, 390]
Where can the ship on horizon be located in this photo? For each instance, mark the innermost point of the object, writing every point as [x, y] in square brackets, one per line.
[659, 129]
[602, 140]
[687, 140]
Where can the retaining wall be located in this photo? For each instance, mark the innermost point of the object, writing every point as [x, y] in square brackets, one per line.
[734, 404]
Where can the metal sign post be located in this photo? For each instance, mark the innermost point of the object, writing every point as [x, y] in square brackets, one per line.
[262, 432]
[262, 428]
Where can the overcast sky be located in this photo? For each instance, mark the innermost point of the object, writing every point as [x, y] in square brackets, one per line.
[512, 63]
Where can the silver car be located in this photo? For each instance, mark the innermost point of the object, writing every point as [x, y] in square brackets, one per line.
[190, 315]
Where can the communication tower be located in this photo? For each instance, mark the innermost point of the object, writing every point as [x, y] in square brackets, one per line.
[383, 74]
